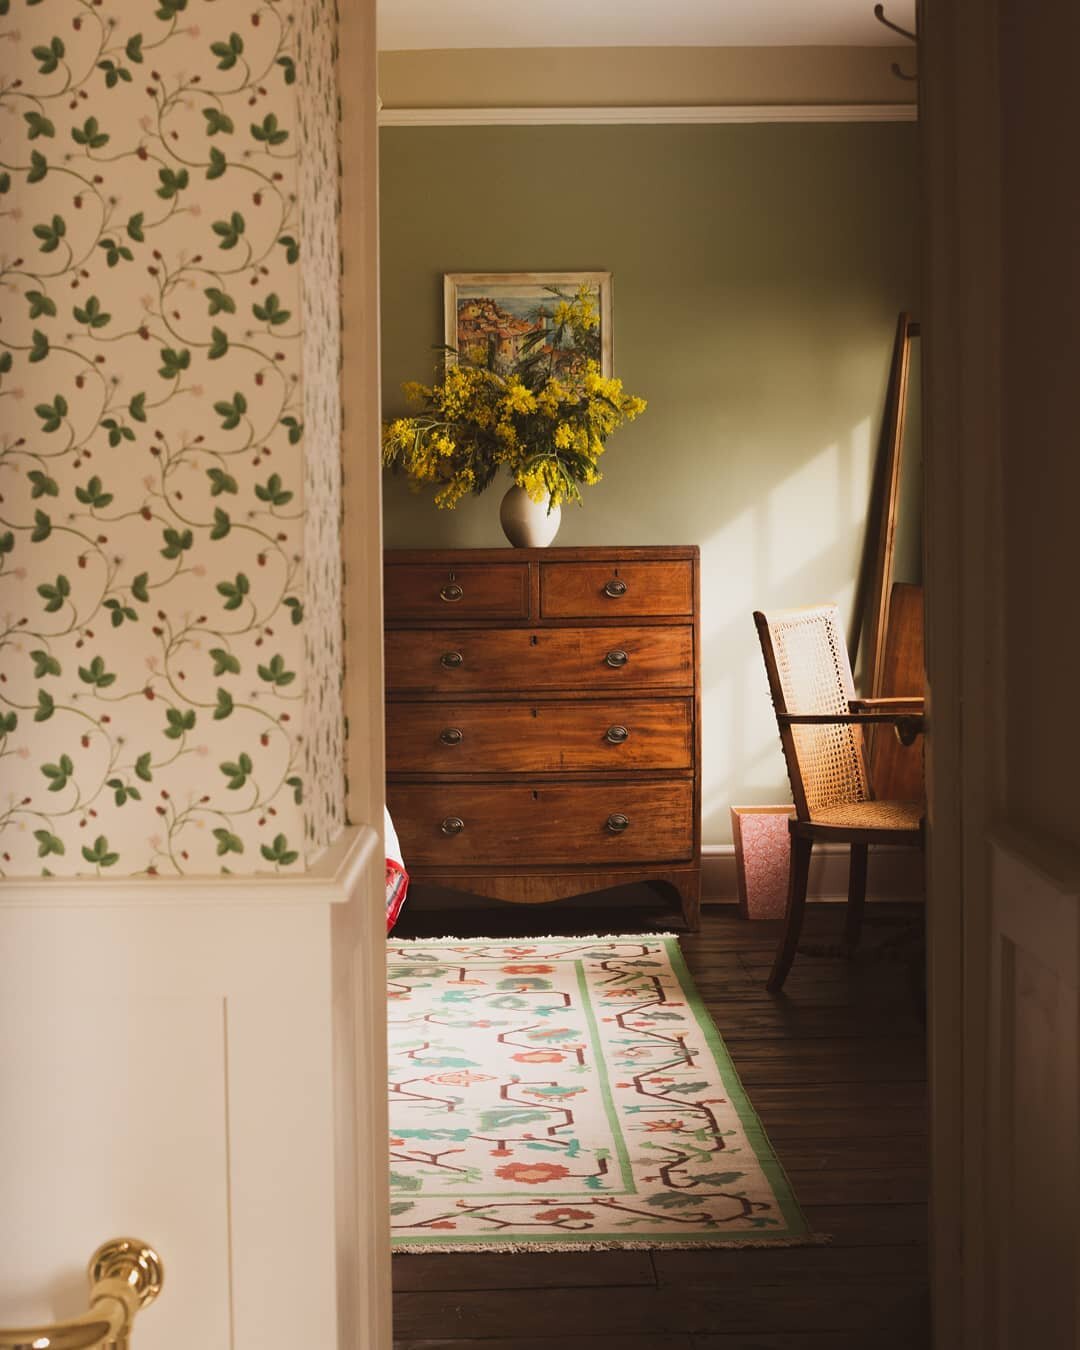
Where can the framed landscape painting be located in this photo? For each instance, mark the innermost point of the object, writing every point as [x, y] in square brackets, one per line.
[493, 317]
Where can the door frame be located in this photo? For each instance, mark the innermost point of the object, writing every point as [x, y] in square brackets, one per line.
[961, 308]
[961, 313]
[370, 1292]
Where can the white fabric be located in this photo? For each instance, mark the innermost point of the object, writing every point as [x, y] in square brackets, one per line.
[393, 847]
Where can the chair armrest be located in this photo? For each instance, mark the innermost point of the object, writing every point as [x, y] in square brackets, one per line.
[907, 725]
[912, 706]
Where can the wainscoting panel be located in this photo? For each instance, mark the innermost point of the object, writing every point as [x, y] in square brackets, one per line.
[1034, 1122]
[173, 1069]
[114, 1120]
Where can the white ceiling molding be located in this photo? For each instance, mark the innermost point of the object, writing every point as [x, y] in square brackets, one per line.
[702, 114]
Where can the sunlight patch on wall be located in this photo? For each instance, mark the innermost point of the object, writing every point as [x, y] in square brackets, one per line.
[801, 512]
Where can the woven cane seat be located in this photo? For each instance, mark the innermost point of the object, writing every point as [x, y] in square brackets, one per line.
[870, 815]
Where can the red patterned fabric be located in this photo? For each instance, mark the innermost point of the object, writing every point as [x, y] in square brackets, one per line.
[397, 884]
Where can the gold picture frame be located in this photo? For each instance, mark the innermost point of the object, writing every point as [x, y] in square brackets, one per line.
[503, 307]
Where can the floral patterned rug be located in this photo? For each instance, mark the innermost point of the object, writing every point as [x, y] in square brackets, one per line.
[569, 1093]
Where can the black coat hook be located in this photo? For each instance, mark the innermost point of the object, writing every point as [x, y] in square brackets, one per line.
[879, 14]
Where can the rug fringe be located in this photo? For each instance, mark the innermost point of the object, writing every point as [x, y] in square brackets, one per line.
[540, 1245]
[548, 937]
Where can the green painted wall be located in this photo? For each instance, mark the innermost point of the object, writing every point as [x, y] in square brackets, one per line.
[758, 272]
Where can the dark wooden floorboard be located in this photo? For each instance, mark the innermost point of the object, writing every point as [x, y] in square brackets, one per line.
[522, 1270]
[564, 1342]
[835, 1069]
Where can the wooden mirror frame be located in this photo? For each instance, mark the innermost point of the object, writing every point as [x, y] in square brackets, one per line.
[875, 588]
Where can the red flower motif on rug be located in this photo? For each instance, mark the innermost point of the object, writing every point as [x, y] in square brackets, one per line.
[532, 1174]
[460, 1078]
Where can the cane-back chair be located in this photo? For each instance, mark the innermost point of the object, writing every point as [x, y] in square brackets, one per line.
[821, 725]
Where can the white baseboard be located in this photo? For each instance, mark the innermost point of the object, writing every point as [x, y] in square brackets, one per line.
[893, 874]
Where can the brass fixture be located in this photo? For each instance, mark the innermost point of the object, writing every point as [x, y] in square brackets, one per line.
[125, 1275]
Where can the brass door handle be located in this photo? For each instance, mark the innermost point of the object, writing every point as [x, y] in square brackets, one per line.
[615, 588]
[451, 592]
[616, 735]
[617, 822]
[451, 660]
[125, 1276]
[451, 736]
[616, 658]
[452, 825]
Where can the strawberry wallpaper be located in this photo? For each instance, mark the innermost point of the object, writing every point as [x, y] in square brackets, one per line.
[170, 648]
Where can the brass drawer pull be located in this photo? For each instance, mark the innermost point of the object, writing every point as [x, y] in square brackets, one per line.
[451, 660]
[451, 736]
[617, 822]
[615, 588]
[452, 825]
[451, 592]
[616, 658]
[616, 735]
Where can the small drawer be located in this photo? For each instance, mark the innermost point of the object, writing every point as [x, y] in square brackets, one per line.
[465, 591]
[601, 659]
[475, 824]
[492, 738]
[616, 590]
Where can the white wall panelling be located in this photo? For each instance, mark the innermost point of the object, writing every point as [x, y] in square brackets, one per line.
[169, 1072]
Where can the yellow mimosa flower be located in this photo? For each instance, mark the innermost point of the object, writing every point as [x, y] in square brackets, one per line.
[541, 413]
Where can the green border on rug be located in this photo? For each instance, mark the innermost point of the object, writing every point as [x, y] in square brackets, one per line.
[625, 1166]
[797, 1231]
[759, 1141]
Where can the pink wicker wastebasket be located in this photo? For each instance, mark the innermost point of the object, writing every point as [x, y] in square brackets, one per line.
[762, 850]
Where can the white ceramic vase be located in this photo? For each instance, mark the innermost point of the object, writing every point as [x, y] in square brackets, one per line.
[528, 524]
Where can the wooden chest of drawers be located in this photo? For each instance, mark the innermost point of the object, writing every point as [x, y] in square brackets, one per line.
[543, 719]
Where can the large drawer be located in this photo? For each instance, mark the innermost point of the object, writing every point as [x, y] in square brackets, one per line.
[605, 735]
[601, 659]
[586, 590]
[463, 591]
[473, 824]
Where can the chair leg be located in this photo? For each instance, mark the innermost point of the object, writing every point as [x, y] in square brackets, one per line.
[798, 878]
[856, 897]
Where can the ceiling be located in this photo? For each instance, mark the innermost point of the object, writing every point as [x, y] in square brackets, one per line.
[435, 24]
